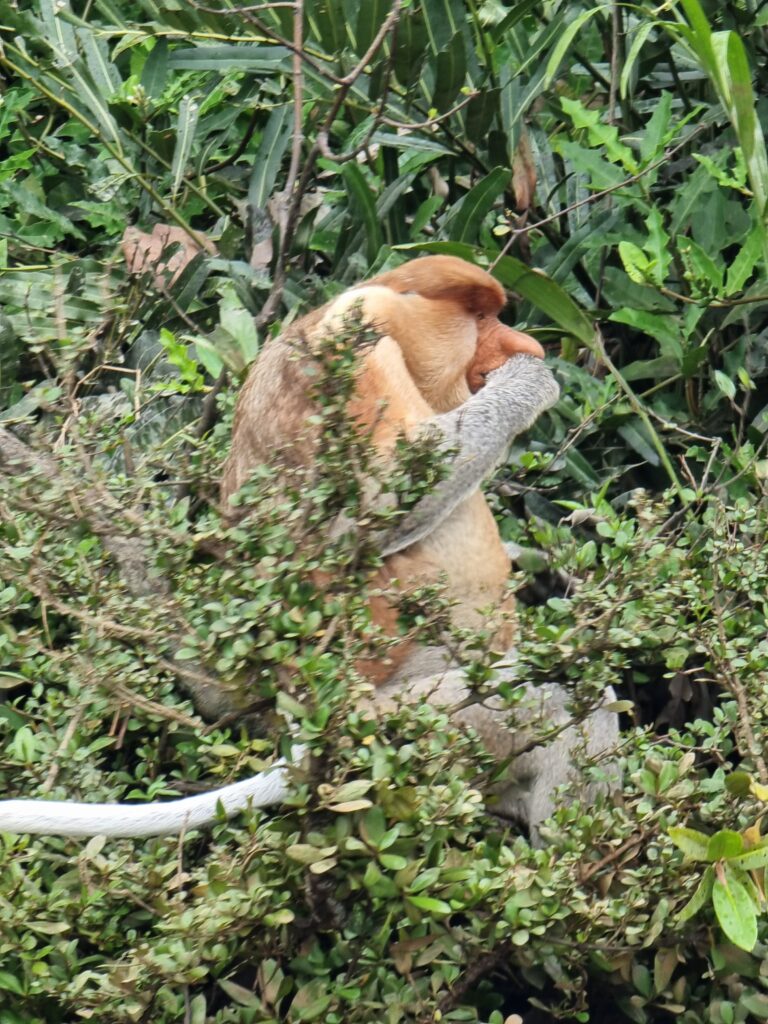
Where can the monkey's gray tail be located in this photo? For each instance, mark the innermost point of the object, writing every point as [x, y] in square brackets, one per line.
[136, 821]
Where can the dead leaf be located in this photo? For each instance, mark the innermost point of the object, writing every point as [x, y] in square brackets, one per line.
[148, 252]
[523, 173]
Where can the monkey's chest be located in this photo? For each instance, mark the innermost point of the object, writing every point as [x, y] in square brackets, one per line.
[466, 551]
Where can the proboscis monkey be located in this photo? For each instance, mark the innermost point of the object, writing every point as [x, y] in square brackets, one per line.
[440, 337]
[445, 366]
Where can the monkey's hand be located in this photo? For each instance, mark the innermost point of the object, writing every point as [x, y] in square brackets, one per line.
[477, 435]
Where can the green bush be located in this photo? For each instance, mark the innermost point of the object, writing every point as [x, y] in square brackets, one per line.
[383, 890]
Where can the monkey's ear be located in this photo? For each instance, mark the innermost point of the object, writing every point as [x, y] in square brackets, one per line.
[496, 343]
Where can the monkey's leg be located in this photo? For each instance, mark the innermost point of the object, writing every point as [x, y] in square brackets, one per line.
[527, 791]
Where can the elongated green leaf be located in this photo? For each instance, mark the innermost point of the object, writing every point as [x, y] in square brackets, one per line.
[430, 904]
[155, 71]
[745, 262]
[364, 207]
[444, 18]
[639, 37]
[699, 36]
[189, 112]
[60, 34]
[450, 72]
[86, 97]
[518, 12]
[580, 470]
[466, 218]
[744, 117]
[328, 23]
[695, 845]
[269, 158]
[370, 16]
[655, 369]
[565, 41]
[533, 285]
[699, 898]
[633, 434]
[735, 910]
[105, 75]
[412, 47]
[752, 859]
[421, 143]
[229, 56]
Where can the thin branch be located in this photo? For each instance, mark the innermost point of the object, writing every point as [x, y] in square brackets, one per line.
[298, 98]
[272, 303]
[432, 121]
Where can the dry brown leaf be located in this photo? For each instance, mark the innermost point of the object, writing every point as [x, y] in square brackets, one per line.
[144, 252]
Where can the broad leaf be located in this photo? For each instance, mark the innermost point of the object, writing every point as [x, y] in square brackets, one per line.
[735, 910]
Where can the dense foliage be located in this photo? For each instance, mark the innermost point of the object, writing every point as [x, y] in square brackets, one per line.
[175, 179]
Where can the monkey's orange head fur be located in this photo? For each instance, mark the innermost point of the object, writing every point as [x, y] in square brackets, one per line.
[447, 277]
[474, 292]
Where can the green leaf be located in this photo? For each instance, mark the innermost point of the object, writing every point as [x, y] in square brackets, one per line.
[465, 219]
[745, 261]
[725, 384]
[725, 843]
[580, 470]
[658, 246]
[363, 207]
[229, 57]
[10, 983]
[634, 434]
[430, 904]
[189, 112]
[269, 156]
[753, 859]
[411, 49]
[738, 783]
[636, 264]
[444, 18]
[695, 845]
[450, 72]
[565, 42]
[705, 275]
[60, 35]
[639, 36]
[737, 79]
[105, 75]
[699, 898]
[241, 995]
[735, 910]
[155, 70]
[370, 16]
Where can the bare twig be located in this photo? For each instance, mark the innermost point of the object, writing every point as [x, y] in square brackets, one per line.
[298, 98]
[66, 739]
[431, 121]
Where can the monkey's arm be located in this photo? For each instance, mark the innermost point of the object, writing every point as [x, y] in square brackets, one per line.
[478, 435]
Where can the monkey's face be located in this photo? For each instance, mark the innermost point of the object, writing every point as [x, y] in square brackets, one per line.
[496, 343]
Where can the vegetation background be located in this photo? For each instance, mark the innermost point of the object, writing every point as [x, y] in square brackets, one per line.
[176, 178]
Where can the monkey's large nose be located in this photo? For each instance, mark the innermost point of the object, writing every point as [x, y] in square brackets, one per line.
[516, 343]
